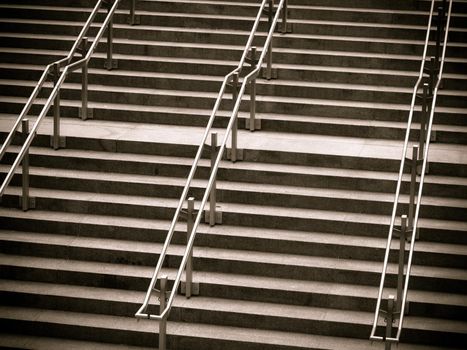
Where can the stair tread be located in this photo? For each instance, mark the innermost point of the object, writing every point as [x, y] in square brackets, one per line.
[206, 303]
[254, 188]
[235, 255]
[304, 36]
[192, 330]
[130, 296]
[269, 141]
[22, 341]
[235, 62]
[232, 231]
[217, 278]
[263, 98]
[249, 209]
[244, 165]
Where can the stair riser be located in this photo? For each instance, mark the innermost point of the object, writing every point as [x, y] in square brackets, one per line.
[120, 46]
[88, 333]
[135, 338]
[221, 68]
[169, 66]
[159, 98]
[240, 243]
[250, 155]
[136, 283]
[284, 296]
[243, 175]
[249, 197]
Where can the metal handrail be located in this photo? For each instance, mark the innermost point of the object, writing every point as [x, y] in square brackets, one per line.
[142, 312]
[48, 70]
[414, 227]
[64, 62]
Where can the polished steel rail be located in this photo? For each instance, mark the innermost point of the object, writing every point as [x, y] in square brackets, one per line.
[398, 311]
[55, 67]
[231, 77]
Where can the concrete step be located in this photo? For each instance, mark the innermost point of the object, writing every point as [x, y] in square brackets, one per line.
[246, 172]
[269, 99]
[181, 335]
[285, 148]
[322, 198]
[344, 245]
[23, 341]
[142, 38]
[325, 117]
[327, 292]
[221, 260]
[197, 309]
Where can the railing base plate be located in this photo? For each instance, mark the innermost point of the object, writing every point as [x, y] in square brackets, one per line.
[218, 215]
[288, 29]
[257, 124]
[264, 73]
[239, 154]
[113, 65]
[31, 203]
[194, 288]
[89, 114]
[61, 142]
[136, 20]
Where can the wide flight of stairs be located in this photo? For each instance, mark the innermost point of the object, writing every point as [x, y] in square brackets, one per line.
[297, 260]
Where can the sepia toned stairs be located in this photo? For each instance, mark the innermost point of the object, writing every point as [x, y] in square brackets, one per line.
[297, 260]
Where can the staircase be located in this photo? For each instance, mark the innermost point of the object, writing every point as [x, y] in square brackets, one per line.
[297, 260]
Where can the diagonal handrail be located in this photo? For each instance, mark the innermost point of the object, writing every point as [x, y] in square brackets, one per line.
[69, 67]
[48, 70]
[142, 311]
[403, 301]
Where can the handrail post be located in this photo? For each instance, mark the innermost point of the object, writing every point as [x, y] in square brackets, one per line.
[235, 125]
[84, 81]
[423, 122]
[413, 181]
[110, 63]
[56, 109]
[269, 48]
[400, 275]
[439, 31]
[163, 321]
[212, 195]
[252, 120]
[432, 75]
[389, 321]
[189, 263]
[284, 18]
[133, 18]
[25, 169]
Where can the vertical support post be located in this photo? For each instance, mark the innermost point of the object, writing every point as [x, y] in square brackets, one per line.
[400, 276]
[132, 12]
[439, 33]
[212, 195]
[25, 168]
[413, 181]
[110, 35]
[235, 124]
[84, 81]
[269, 48]
[56, 109]
[253, 91]
[423, 122]
[163, 322]
[189, 263]
[433, 75]
[389, 320]
[284, 18]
